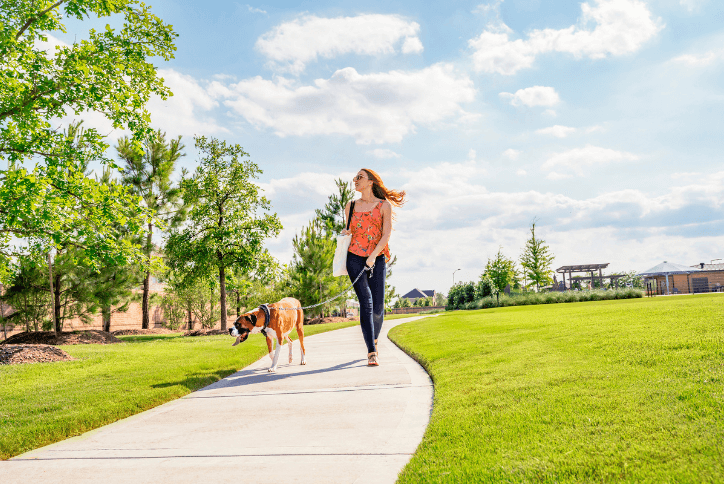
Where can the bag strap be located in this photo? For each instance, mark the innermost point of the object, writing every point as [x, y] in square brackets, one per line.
[351, 211]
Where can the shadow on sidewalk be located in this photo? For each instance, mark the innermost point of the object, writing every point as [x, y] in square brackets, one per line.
[250, 377]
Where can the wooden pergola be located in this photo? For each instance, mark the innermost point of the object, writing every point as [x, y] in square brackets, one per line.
[587, 269]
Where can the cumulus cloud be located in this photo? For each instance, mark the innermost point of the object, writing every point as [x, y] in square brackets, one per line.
[292, 45]
[558, 131]
[605, 28]
[187, 111]
[575, 162]
[533, 96]
[511, 154]
[383, 154]
[698, 60]
[452, 220]
[373, 108]
[256, 10]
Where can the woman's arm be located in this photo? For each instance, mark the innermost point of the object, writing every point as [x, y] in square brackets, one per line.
[386, 232]
[346, 217]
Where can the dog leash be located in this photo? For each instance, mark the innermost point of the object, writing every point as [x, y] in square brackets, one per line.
[367, 268]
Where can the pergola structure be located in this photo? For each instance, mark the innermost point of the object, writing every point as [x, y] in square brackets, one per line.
[587, 269]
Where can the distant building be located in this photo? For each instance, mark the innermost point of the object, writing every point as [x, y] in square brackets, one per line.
[416, 294]
[669, 278]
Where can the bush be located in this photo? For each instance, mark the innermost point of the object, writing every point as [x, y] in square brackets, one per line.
[531, 298]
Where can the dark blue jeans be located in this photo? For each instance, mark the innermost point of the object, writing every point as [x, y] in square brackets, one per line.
[371, 295]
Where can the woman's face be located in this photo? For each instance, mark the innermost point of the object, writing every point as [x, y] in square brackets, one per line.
[361, 181]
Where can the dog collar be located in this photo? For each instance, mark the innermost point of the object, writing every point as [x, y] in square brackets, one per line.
[265, 308]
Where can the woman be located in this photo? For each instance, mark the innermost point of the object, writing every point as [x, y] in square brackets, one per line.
[371, 226]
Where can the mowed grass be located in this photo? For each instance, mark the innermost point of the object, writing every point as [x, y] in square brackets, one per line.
[42, 403]
[610, 391]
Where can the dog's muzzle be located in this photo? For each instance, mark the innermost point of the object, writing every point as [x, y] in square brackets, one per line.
[240, 336]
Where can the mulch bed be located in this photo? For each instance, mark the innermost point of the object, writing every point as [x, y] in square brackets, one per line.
[205, 332]
[140, 332]
[15, 354]
[91, 336]
[331, 319]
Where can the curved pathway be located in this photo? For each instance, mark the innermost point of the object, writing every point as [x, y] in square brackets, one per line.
[334, 420]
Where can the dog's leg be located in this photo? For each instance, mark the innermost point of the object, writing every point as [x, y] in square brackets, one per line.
[275, 361]
[300, 333]
[269, 347]
[290, 349]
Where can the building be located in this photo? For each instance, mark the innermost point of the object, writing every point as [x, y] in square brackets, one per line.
[668, 278]
[416, 294]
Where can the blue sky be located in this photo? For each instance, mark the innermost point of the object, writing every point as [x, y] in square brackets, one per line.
[601, 120]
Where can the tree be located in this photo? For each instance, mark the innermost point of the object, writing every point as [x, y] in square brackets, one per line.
[310, 271]
[501, 271]
[148, 172]
[54, 203]
[485, 287]
[332, 215]
[440, 299]
[536, 261]
[26, 295]
[227, 224]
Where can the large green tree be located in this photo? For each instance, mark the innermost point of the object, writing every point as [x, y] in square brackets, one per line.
[44, 195]
[148, 170]
[332, 215]
[228, 221]
[536, 260]
[501, 271]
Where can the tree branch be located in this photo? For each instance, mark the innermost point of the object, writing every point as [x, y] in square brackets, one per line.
[33, 19]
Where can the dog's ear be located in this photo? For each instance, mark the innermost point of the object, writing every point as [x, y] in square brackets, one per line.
[237, 341]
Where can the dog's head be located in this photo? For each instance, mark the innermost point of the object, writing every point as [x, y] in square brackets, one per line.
[245, 324]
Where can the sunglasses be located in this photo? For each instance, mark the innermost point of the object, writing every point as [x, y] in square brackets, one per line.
[358, 178]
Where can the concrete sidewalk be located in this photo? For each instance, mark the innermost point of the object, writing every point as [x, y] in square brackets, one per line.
[334, 420]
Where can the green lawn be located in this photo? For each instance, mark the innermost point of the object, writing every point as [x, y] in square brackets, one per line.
[610, 391]
[42, 403]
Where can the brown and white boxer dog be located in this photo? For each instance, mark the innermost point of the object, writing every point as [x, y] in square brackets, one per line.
[277, 327]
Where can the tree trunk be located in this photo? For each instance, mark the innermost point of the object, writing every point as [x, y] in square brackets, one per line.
[56, 304]
[145, 319]
[222, 287]
[106, 313]
[238, 306]
[50, 279]
[191, 321]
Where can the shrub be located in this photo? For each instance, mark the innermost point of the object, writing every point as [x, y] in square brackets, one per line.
[531, 298]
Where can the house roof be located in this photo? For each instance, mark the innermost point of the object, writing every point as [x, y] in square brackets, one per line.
[416, 293]
[710, 267]
[668, 268]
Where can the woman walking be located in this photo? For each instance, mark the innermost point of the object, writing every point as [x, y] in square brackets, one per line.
[371, 226]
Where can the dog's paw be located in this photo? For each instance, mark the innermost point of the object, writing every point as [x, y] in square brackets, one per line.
[304, 362]
[272, 370]
[290, 359]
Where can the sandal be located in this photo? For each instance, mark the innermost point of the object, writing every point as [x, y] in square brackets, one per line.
[372, 360]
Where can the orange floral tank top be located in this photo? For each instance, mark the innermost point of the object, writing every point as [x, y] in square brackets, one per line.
[366, 228]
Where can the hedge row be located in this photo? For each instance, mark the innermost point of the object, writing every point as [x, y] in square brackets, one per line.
[553, 298]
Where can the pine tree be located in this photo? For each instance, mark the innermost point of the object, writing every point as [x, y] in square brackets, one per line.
[148, 171]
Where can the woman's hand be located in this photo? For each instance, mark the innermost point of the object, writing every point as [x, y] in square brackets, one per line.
[371, 261]
[345, 232]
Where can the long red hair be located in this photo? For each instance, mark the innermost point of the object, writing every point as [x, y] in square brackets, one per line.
[379, 189]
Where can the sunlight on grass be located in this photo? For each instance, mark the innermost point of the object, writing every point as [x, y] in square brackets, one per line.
[627, 390]
[42, 403]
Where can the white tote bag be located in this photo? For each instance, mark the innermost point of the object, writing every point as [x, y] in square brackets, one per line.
[339, 265]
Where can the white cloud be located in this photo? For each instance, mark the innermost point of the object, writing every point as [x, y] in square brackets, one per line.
[691, 5]
[49, 45]
[294, 44]
[574, 162]
[511, 154]
[558, 131]
[186, 112]
[698, 60]
[533, 96]
[383, 154]
[256, 10]
[373, 108]
[452, 220]
[621, 27]
[521, 172]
